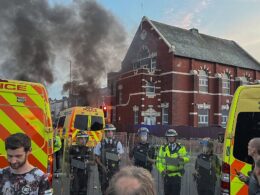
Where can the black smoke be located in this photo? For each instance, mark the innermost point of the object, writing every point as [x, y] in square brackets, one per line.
[33, 33]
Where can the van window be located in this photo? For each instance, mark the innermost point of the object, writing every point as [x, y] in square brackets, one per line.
[81, 122]
[61, 122]
[96, 123]
[247, 127]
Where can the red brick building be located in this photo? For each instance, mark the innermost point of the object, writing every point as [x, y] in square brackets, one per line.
[178, 77]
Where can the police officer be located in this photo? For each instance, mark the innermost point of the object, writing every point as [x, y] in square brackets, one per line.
[108, 153]
[56, 149]
[207, 167]
[170, 163]
[80, 159]
[143, 153]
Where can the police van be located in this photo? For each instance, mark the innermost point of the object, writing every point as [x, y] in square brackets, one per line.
[88, 119]
[243, 124]
[24, 108]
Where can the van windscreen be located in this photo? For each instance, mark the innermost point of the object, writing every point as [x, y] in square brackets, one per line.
[247, 127]
[96, 123]
[81, 122]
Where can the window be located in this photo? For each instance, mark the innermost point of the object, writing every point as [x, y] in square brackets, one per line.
[165, 113]
[96, 123]
[150, 88]
[226, 84]
[203, 81]
[136, 117]
[224, 118]
[203, 117]
[81, 122]
[153, 63]
[247, 127]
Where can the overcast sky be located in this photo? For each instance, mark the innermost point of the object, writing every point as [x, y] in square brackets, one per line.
[236, 20]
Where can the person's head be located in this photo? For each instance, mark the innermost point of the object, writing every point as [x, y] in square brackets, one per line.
[207, 146]
[109, 131]
[254, 147]
[82, 138]
[18, 148]
[131, 180]
[171, 135]
[143, 133]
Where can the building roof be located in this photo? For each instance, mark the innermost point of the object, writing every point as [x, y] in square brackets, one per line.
[192, 44]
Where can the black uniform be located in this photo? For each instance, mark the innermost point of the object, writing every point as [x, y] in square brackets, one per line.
[140, 153]
[78, 156]
[208, 167]
[108, 148]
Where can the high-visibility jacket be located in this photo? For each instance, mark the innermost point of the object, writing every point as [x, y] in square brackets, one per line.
[57, 143]
[172, 161]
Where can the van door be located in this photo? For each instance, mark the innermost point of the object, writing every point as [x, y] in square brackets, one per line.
[244, 120]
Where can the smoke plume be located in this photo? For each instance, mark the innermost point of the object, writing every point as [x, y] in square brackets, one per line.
[33, 33]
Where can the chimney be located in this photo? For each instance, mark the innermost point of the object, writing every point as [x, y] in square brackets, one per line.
[194, 31]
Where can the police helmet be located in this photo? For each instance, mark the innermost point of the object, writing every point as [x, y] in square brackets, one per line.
[171, 133]
[110, 127]
[143, 130]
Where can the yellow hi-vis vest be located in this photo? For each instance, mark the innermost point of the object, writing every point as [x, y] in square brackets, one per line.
[57, 143]
[174, 161]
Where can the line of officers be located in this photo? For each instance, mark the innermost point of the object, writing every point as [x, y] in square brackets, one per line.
[169, 159]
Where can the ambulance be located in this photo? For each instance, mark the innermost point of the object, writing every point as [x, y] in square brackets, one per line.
[88, 119]
[24, 108]
[243, 124]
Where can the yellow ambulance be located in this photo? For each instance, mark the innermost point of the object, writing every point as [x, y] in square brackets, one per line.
[24, 107]
[243, 125]
[89, 119]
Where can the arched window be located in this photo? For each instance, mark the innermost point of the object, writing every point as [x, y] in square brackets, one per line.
[203, 81]
[225, 84]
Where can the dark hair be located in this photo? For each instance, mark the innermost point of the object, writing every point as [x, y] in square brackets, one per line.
[18, 140]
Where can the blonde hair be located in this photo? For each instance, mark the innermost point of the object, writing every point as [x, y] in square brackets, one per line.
[138, 175]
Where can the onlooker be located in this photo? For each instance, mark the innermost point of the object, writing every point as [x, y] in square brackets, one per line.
[254, 152]
[21, 177]
[254, 184]
[132, 180]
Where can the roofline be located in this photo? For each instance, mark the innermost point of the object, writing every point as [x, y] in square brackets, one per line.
[247, 53]
[171, 47]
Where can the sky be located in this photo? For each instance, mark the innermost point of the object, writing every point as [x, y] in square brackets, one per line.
[236, 20]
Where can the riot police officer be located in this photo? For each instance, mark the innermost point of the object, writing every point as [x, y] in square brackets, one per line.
[170, 163]
[207, 168]
[143, 153]
[80, 159]
[108, 153]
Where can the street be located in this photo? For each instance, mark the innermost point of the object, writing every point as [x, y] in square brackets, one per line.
[188, 186]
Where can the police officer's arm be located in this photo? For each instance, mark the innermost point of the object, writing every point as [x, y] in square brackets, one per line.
[159, 160]
[151, 155]
[183, 156]
[120, 149]
[97, 152]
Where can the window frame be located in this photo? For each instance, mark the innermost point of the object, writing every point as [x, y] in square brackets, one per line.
[203, 119]
[203, 81]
